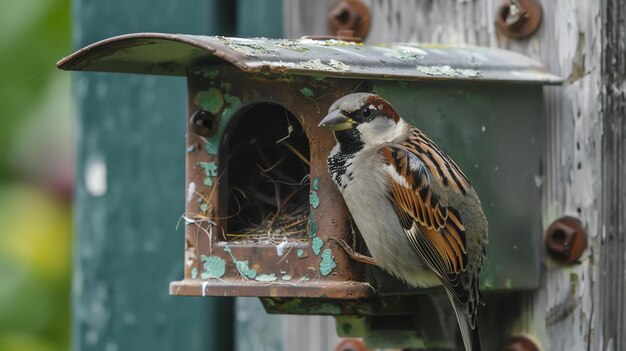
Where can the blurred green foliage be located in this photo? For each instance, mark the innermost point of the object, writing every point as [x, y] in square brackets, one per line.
[35, 175]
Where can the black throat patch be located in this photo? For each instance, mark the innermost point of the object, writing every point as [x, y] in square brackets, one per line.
[349, 143]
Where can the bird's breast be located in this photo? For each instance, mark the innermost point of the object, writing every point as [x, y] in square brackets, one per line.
[363, 186]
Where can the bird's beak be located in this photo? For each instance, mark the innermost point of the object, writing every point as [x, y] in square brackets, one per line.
[337, 121]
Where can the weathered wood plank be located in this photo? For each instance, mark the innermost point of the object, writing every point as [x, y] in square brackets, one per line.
[612, 262]
[565, 314]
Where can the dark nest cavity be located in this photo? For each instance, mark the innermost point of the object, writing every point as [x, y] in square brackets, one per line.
[268, 176]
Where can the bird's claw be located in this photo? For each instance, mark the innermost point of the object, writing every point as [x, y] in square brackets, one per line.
[353, 254]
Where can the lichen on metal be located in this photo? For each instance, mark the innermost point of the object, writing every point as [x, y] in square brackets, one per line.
[406, 53]
[319, 65]
[177, 54]
[448, 71]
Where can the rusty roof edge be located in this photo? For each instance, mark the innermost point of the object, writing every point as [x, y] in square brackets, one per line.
[88, 58]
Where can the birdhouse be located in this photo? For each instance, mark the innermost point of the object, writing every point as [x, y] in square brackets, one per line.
[260, 207]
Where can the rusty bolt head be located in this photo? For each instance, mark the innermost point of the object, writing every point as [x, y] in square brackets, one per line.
[518, 19]
[351, 345]
[203, 123]
[351, 15]
[520, 343]
[566, 240]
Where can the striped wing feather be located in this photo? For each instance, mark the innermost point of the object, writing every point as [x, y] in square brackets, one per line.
[435, 231]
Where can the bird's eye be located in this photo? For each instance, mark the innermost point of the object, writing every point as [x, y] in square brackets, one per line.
[366, 112]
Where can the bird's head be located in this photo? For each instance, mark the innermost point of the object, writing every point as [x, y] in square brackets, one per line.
[366, 117]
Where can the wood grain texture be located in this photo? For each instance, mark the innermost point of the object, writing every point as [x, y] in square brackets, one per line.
[568, 312]
[612, 263]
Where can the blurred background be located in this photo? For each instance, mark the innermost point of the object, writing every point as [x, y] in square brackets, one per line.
[36, 171]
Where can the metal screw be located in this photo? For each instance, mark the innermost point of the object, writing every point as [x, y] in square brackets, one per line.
[519, 19]
[566, 239]
[203, 123]
[349, 14]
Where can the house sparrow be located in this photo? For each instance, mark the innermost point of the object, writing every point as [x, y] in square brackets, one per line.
[417, 212]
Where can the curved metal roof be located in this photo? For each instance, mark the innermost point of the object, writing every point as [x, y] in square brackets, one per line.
[174, 54]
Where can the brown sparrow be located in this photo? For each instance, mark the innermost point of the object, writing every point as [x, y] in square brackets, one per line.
[417, 212]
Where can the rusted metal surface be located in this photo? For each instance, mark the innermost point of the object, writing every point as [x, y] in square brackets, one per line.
[520, 343]
[352, 345]
[518, 19]
[566, 240]
[175, 54]
[351, 15]
[218, 264]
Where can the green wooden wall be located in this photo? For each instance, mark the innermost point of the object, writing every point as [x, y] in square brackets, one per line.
[130, 183]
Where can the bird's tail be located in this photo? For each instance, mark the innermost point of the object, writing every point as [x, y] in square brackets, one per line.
[470, 336]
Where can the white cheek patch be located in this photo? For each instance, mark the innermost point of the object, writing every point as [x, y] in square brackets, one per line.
[380, 131]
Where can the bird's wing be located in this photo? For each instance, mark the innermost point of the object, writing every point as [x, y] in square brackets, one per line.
[435, 231]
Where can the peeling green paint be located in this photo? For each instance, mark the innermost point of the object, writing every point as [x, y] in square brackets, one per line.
[232, 100]
[328, 262]
[204, 207]
[232, 103]
[319, 77]
[214, 267]
[328, 308]
[308, 92]
[210, 170]
[316, 245]
[245, 270]
[316, 184]
[314, 200]
[194, 273]
[313, 228]
[210, 100]
[304, 279]
[300, 253]
[242, 266]
[286, 277]
[210, 73]
[266, 278]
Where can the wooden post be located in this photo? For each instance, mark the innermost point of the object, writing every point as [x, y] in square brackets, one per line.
[579, 307]
[612, 313]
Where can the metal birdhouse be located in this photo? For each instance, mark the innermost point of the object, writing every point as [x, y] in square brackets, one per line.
[260, 207]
